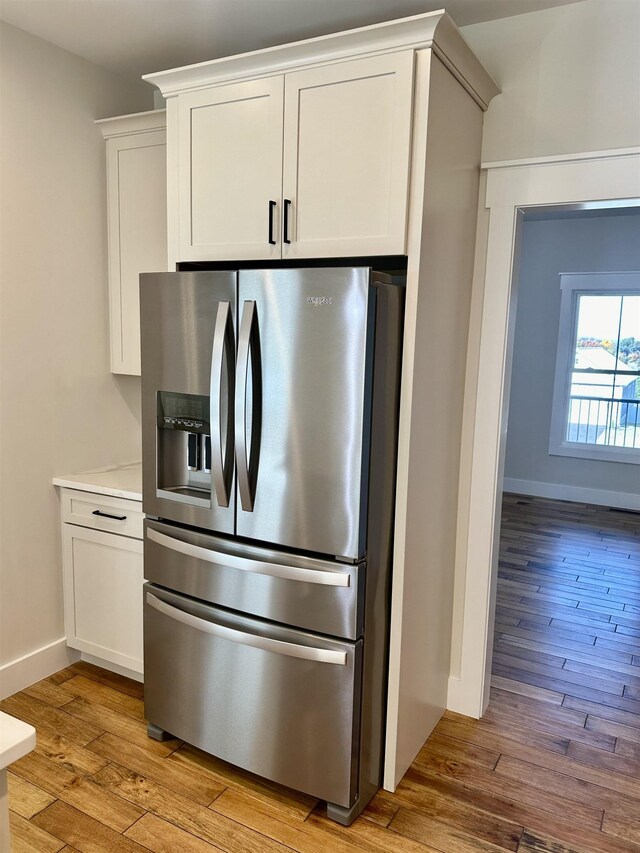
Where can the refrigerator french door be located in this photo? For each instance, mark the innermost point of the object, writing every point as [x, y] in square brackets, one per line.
[269, 430]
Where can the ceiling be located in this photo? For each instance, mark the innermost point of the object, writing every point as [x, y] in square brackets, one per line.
[135, 37]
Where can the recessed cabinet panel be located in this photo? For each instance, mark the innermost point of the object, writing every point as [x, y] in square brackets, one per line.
[346, 157]
[142, 193]
[230, 162]
[103, 577]
[137, 211]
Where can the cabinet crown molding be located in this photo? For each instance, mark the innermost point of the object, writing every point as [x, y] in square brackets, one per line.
[433, 30]
[144, 122]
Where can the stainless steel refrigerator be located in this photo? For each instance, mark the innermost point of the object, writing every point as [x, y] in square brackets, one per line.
[269, 408]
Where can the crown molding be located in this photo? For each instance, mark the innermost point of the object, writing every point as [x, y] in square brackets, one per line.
[433, 30]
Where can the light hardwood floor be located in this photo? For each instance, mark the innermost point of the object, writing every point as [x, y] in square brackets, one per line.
[554, 766]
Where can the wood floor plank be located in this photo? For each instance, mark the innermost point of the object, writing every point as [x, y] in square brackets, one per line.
[502, 786]
[573, 683]
[48, 692]
[182, 811]
[157, 835]
[581, 783]
[44, 717]
[568, 826]
[83, 832]
[108, 697]
[303, 836]
[128, 728]
[552, 696]
[368, 837]
[504, 699]
[604, 760]
[622, 827]
[76, 791]
[292, 803]
[574, 651]
[458, 814]
[109, 679]
[420, 826]
[26, 799]
[498, 737]
[27, 837]
[61, 676]
[75, 758]
[506, 719]
[188, 780]
[628, 749]
[630, 733]
[381, 809]
[607, 712]
[533, 843]
[441, 744]
[597, 668]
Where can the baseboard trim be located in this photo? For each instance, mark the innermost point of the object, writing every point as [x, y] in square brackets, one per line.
[133, 674]
[34, 666]
[463, 698]
[557, 491]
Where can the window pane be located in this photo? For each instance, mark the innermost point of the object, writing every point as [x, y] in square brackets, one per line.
[589, 407]
[597, 330]
[629, 351]
[604, 407]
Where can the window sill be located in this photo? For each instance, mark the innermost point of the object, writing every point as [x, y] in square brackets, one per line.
[602, 454]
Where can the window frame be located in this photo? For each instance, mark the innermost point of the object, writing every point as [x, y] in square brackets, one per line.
[573, 285]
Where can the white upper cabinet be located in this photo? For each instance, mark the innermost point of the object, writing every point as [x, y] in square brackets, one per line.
[137, 217]
[346, 157]
[303, 165]
[230, 171]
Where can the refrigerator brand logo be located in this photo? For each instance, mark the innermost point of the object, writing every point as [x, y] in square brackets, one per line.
[319, 300]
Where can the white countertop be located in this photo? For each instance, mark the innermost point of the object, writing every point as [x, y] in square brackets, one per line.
[119, 481]
[16, 739]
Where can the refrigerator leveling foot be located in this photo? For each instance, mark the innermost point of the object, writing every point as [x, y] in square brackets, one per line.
[346, 816]
[157, 733]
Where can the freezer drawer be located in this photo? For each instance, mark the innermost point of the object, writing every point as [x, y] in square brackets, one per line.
[280, 703]
[317, 595]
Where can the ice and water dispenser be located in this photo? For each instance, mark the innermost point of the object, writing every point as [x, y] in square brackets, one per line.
[184, 448]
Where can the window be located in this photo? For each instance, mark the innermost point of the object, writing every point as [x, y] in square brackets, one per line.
[596, 398]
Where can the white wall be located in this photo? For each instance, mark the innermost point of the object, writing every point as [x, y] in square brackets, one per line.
[570, 78]
[60, 408]
[549, 247]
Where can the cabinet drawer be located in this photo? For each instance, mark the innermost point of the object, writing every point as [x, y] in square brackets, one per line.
[115, 515]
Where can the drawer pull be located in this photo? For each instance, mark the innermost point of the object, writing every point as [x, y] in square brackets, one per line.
[267, 644]
[274, 570]
[108, 515]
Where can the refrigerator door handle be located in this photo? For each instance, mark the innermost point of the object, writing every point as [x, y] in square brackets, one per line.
[267, 644]
[247, 459]
[276, 570]
[222, 449]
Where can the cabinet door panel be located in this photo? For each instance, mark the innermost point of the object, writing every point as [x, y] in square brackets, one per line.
[137, 188]
[346, 158]
[230, 161]
[103, 578]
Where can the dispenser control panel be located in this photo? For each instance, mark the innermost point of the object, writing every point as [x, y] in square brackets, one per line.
[186, 412]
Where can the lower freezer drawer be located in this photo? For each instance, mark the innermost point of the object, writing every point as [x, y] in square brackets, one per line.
[281, 703]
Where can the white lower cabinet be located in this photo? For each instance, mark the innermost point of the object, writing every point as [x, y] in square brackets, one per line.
[103, 578]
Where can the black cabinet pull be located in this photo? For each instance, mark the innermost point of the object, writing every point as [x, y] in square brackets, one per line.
[107, 515]
[272, 207]
[285, 224]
